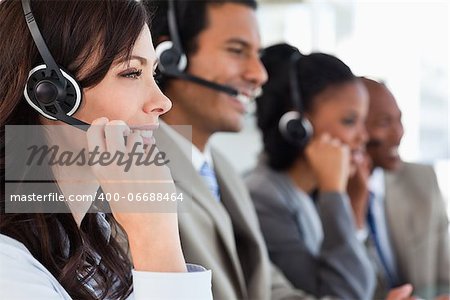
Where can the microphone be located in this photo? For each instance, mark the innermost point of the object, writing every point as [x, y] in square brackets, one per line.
[244, 99]
[69, 120]
[73, 122]
[373, 143]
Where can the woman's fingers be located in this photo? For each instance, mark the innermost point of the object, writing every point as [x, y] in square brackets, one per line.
[135, 143]
[400, 293]
[96, 135]
[115, 132]
[109, 136]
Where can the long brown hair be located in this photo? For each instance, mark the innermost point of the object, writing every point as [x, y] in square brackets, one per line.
[73, 31]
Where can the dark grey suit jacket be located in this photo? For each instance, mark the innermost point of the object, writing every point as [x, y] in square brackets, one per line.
[340, 267]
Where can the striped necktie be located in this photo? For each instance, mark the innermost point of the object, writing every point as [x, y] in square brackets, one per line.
[210, 178]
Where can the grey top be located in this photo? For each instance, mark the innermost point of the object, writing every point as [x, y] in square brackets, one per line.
[314, 245]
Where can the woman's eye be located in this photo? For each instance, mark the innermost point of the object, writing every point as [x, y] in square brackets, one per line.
[134, 74]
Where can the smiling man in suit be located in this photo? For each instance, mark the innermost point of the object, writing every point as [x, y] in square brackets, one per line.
[407, 214]
[219, 226]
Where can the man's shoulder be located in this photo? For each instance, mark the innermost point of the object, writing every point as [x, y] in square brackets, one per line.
[410, 167]
[418, 180]
[414, 172]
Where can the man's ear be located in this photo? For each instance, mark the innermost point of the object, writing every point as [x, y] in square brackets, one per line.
[307, 115]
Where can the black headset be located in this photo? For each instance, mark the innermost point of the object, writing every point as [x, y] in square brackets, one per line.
[50, 90]
[293, 125]
[173, 60]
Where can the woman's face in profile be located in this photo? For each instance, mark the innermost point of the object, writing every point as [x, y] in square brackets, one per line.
[341, 111]
[129, 91]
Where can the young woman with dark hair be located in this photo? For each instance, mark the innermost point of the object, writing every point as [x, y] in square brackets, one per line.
[299, 189]
[107, 46]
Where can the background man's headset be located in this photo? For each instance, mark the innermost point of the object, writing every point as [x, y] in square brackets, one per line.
[50, 90]
[293, 125]
[173, 60]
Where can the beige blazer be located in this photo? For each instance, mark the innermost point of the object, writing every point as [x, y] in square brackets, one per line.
[418, 224]
[222, 236]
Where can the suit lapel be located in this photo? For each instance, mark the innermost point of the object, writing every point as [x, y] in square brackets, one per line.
[394, 211]
[188, 180]
[245, 222]
[410, 216]
[400, 226]
[228, 193]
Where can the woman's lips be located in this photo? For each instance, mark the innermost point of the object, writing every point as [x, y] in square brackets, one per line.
[144, 127]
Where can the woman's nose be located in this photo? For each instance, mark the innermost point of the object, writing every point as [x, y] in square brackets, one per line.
[159, 104]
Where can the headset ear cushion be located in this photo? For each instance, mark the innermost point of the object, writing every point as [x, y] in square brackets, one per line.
[69, 104]
[170, 59]
[295, 129]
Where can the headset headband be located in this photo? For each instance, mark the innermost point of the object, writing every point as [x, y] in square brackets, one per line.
[40, 43]
[293, 125]
[51, 69]
[173, 27]
[293, 80]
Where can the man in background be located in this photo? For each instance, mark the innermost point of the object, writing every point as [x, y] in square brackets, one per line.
[407, 217]
[219, 230]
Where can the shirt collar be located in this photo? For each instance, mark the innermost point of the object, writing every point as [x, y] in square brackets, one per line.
[199, 158]
[376, 183]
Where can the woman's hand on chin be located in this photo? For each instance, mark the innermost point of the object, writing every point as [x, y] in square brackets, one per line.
[151, 226]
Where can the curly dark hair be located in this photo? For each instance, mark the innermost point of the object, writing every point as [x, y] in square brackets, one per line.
[315, 73]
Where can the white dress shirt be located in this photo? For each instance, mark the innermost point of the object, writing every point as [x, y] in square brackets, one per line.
[199, 158]
[24, 277]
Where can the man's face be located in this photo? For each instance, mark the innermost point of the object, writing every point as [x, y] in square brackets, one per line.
[227, 53]
[384, 128]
